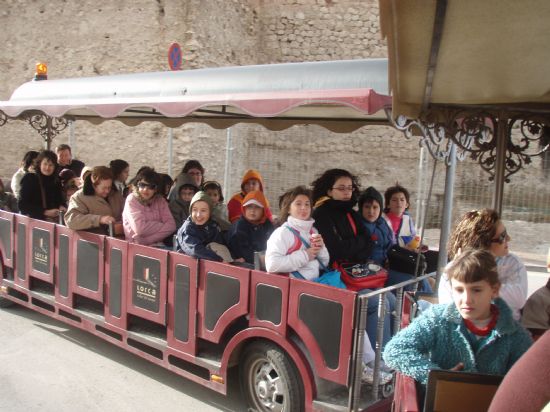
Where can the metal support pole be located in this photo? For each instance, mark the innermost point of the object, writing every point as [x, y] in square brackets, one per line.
[228, 156]
[447, 213]
[170, 149]
[72, 140]
[49, 136]
[357, 357]
[379, 339]
[500, 169]
[421, 202]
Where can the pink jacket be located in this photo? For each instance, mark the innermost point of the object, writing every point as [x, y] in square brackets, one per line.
[147, 224]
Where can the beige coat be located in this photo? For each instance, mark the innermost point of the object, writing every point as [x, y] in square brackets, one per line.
[85, 211]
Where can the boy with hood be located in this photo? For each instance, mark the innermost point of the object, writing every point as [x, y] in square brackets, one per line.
[252, 180]
[179, 205]
[200, 236]
[371, 205]
[250, 232]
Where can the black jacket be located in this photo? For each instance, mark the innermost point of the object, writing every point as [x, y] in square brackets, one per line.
[246, 238]
[30, 197]
[342, 242]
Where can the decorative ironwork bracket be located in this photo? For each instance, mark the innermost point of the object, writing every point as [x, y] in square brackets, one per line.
[475, 133]
[3, 118]
[47, 127]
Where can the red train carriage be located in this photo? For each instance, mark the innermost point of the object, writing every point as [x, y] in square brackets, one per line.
[295, 341]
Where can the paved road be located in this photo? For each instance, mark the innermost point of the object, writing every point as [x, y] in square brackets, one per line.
[48, 366]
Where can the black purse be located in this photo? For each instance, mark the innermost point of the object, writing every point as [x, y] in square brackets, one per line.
[404, 260]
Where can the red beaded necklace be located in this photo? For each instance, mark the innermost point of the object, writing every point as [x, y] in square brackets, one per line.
[488, 328]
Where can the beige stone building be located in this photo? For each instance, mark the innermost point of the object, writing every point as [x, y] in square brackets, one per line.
[102, 37]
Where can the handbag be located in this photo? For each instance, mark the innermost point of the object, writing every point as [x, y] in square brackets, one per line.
[404, 260]
[359, 276]
[327, 276]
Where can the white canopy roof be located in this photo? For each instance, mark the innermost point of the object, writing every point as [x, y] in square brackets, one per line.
[339, 95]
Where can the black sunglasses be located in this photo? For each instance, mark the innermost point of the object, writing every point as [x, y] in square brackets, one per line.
[502, 237]
[143, 185]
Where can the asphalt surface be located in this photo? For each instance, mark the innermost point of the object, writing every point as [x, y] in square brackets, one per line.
[46, 365]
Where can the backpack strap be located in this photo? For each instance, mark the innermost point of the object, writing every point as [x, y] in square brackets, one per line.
[296, 246]
[305, 242]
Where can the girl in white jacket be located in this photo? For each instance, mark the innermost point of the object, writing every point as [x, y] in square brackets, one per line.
[286, 253]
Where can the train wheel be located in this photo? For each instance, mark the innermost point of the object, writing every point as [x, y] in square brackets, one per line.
[270, 380]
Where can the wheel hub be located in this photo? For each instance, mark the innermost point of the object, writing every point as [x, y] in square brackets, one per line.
[269, 388]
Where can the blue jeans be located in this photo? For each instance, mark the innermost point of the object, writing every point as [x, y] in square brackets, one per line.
[372, 317]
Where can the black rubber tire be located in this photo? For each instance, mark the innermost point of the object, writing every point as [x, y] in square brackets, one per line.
[269, 379]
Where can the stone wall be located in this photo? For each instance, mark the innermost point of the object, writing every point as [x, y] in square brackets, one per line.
[101, 37]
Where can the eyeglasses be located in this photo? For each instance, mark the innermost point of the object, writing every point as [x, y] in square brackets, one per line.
[143, 185]
[502, 237]
[344, 188]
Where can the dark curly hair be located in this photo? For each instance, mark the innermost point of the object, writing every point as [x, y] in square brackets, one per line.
[324, 183]
[44, 154]
[474, 230]
[149, 175]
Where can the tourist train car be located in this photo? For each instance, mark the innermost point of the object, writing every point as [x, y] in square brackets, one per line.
[296, 343]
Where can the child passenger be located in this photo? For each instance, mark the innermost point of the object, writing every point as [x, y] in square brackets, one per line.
[200, 236]
[397, 216]
[287, 253]
[252, 180]
[475, 333]
[179, 206]
[249, 234]
[371, 205]
[219, 213]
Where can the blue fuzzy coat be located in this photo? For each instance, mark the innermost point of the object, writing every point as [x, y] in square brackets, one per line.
[438, 340]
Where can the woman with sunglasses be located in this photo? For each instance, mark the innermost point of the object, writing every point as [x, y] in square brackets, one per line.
[146, 218]
[483, 229]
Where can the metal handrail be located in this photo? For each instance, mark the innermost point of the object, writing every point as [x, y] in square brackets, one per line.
[354, 393]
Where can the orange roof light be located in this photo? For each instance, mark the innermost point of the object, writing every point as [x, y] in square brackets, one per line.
[41, 71]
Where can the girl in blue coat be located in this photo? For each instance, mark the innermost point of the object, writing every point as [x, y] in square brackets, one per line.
[476, 333]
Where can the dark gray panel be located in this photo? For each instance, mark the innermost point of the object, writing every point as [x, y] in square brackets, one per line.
[181, 303]
[146, 283]
[87, 265]
[5, 236]
[222, 292]
[21, 251]
[41, 253]
[63, 275]
[115, 282]
[269, 303]
[324, 320]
